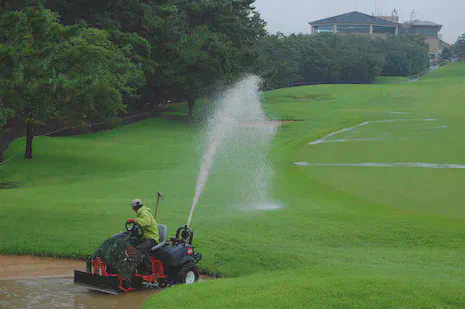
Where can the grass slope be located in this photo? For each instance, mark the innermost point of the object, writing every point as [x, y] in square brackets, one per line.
[347, 237]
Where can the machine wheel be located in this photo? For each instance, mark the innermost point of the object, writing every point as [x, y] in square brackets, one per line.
[188, 274]
[163, 284]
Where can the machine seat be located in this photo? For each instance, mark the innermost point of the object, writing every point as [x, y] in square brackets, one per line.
[163, 232]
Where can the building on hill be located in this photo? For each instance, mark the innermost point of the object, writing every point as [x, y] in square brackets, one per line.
[431, 32]
[356, 23]
[382, 26]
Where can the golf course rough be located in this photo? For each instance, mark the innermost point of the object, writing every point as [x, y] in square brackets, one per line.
[347, 236]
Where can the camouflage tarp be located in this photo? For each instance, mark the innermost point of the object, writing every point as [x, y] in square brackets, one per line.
[120, 253]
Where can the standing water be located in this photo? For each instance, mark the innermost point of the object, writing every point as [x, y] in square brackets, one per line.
[238, 137]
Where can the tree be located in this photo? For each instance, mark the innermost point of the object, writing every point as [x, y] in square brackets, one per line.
[199, 62]
[50, 72]
[277, 62]
[459, 47]
[131, 24]
[446, 54]
[360, 61]
[320, 55]
[404, 55]
[213, 44]
[236, 21]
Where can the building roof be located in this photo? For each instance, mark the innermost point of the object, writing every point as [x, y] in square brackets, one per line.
[354, 18]
[418, 22]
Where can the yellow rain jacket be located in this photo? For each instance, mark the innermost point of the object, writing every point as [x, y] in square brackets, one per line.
[148, 223]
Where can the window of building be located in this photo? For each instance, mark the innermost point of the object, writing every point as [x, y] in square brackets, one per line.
[353, 29]
[381, 29]
[428, 32]
[406, 31]
[328, 28]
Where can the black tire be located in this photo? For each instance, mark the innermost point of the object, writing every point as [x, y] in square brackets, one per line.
[163, 284]
[188, 274]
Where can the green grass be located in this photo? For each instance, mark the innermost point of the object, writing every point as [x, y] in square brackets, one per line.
[346, 237]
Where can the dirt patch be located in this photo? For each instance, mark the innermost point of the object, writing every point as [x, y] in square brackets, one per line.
[311, 97]
[14, 267]
[9, 185]
[265, 124]
[178, 118]
[34, 282]
[24, 267]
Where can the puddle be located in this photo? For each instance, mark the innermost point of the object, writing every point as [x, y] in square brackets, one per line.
[435, 128]
[327, 137]
[345, 140]
[32, 282]
[324, 139]
[268, 207]
[422, 165]
[261, 207]
[63, 293]
[398, 113]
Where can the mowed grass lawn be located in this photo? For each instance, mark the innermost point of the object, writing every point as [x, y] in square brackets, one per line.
[371, 237]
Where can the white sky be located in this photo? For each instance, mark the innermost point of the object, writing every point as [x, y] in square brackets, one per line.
[290, 16]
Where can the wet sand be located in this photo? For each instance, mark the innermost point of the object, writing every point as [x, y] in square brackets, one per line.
[33, 282]
[24, 267]
[63, 293]
[265, 124]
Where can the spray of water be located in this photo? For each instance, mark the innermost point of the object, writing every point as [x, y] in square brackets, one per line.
[238, 136]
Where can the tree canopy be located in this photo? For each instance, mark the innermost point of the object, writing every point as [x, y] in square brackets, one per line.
[196, 44]
[328, 58]
[459, 47]
[404, 55]
[71, 74]
[447, 54]
[97, 59]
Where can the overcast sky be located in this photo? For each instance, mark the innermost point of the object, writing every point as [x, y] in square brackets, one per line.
[289, 16]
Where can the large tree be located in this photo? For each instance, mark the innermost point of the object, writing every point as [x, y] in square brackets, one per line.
[216, 46]
[199, 63]
[70, 74]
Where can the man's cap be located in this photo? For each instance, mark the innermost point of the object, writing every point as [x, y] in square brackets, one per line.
[136, 203]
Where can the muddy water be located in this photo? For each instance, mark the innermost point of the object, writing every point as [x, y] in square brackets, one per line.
[32, 282]
[63, 293]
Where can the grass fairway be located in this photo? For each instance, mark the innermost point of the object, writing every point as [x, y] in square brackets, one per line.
[348, 236]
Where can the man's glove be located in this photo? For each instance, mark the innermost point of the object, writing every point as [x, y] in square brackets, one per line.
[131, 220]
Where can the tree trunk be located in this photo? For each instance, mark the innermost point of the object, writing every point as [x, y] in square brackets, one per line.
[29, 138]
[191, 105]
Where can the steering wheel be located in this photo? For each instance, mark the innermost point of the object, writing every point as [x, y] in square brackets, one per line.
[134, 228]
